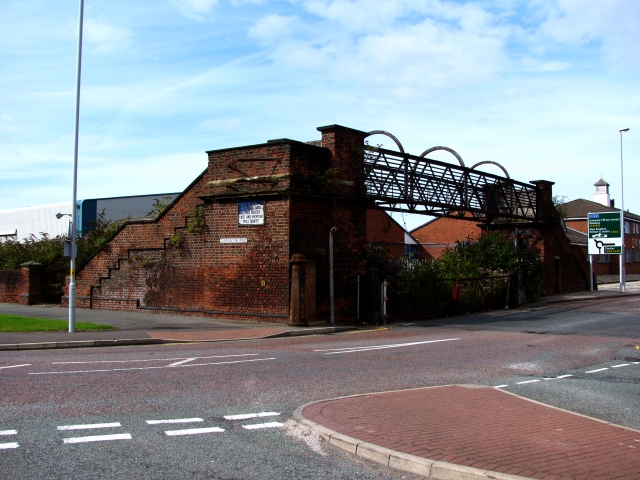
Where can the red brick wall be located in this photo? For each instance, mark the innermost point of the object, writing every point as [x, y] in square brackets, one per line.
[436, 235]
[22, 286]
[11, 286]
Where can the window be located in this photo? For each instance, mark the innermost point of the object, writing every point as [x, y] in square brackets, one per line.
[604, 258]
[627, 256]
[636, 256]
[411, 251]
[626, 227]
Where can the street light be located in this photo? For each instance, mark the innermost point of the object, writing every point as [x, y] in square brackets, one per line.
[72, 270]
[623, 271]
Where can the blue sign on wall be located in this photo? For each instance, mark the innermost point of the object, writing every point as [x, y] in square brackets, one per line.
[251, 213]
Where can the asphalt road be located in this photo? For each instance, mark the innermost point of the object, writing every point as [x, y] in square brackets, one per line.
[52, 400]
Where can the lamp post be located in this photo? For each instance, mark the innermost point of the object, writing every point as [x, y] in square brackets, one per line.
[74, 210]
[623, 271]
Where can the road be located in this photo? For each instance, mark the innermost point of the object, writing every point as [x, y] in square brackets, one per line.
[171, 411]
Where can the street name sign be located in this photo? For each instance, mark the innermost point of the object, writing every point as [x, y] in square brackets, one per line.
[605, 233]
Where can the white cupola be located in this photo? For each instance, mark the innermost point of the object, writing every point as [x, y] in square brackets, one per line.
[601, 195]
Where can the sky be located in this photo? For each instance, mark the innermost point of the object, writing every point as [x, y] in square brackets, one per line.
[541, 87]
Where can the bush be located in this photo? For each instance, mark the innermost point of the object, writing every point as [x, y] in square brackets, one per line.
[425, 288]
[49, 251]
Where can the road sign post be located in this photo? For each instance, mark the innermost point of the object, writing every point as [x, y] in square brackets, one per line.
[605, 234]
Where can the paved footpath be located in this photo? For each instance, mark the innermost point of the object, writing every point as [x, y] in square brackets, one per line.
[469, 431]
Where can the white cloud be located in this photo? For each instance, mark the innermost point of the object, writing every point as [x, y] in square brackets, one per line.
[194, 9]
[272, 27]
[402, 47]
[104, 37]
[7, 118]
[613, 24]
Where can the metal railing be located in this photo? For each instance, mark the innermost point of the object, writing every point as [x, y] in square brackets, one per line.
[415, 299]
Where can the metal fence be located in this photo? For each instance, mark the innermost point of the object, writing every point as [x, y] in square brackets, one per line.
[416, 299]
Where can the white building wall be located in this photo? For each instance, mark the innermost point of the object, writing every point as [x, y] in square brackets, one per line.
[21, 223]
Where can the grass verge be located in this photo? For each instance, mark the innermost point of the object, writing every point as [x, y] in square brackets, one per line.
[18, 324]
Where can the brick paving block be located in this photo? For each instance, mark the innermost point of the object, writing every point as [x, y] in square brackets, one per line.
[485, 427]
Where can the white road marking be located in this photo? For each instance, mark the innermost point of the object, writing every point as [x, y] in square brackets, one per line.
[15, 366]
[263, 425]
[155, 359]
[98, 438]
[245, 416]
[567, 376]
[333, 351]
[8, 432]
[181, 362]
[634, 300]
[174, 420]
[152, 368]
[194, 431]
[89, 426]
[4, 446]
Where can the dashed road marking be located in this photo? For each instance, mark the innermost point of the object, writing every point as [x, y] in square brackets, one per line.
[16, 366]
[174, 420]
[246, 416]
[193, 431]
[334, 351]
[98, 438]
[8, 432]
[5, 446]
[567, 376]
[263, 425]
[89, 426]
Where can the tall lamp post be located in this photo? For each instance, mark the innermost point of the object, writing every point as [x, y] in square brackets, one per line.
[623, 271]
[74, 209]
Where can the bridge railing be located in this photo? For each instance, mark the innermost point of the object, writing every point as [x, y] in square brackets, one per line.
[408, 183]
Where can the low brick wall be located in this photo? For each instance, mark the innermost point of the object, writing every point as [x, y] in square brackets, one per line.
[22, 286]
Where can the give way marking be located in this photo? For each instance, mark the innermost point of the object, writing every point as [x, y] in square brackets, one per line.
[334, 351]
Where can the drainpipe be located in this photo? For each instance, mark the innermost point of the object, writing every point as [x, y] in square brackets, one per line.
[331, 287]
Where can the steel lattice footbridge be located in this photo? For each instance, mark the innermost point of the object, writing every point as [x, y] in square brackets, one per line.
[401, 182]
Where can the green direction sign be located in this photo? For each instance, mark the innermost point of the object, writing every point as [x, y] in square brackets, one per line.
[605, 233]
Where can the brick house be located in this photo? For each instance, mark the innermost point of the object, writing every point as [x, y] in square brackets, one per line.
[438, 234]
[383, 230]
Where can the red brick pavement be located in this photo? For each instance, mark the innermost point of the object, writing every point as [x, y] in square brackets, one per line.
[486, 428]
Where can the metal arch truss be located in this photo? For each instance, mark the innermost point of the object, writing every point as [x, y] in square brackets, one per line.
[401, 182]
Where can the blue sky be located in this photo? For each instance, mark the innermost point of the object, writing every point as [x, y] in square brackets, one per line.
[540, 86]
